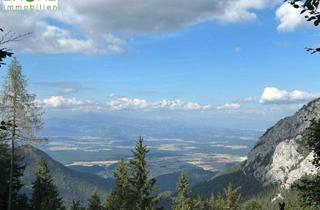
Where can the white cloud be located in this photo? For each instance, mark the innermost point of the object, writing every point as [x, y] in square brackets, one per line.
[289, 18]
[179, 104]
[58, 101]
[116, 103]
[272, 95]
[103, 26]
[127, 103]
[121, 103]
[230, 107]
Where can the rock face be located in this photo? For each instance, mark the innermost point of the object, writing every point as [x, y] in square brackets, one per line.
[279, 157]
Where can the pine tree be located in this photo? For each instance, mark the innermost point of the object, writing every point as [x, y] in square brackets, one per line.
[182, 201]
[253, 204]
[76, 206]
[232, 198]
[216, 203]
[22, 115]
[309, 186]
[19, 201]
[94, 202]
[119, 199]
[45, 194]
[142, 185]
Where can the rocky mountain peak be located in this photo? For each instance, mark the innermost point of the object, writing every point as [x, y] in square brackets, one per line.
[279, 156]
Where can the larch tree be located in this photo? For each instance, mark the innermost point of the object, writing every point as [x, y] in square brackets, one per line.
[142, 186]
[45, 194]
[21, 112]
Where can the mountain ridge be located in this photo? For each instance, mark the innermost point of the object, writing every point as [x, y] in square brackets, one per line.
[278, 159]
[71, 184]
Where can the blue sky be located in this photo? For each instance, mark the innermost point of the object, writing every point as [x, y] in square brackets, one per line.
[247, 66]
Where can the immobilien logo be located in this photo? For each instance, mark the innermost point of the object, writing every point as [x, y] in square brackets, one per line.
[31, 5]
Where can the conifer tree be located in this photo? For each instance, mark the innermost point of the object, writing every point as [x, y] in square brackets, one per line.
[182, 201]
[232, 198]
[253, 204]
[45, 194]
[94, 202]
[119, 199]
[76, 206]
[216, 203]
[309, 186]
[19, 201]
[142, 185]
[22, 115]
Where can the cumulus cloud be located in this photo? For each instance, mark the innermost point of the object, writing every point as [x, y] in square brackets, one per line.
[116, 103]
[59, 101]
[127, 103]
[230, 107]
[289, 18]
[103, 26]
[272, 95]
[121, 103]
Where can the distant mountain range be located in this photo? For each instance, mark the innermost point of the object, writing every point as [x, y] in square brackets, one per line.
[78, 182]
[71, 184]
[279, 158]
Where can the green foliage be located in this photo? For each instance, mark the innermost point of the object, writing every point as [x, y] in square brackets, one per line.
[253, 204]
[19, 201]
[94, 202]
[309, 189]
[232, 198]
[142, 186]
[45, 194]
[76, 206]
[309, 186]
[119, 199]
[182, 201]
[249, 185]
[72, 185]
[294, 201]
[23, 116]
[216, 203]
[311, 138]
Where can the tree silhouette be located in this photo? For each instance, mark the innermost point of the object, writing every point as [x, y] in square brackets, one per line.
[182, 201]
[22, 112]
[309, 8]
[45, 194]
[5, 38]
[94, 202]
[142, 184]
[119, 199]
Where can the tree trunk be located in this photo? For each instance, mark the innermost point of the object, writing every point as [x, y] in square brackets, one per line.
[13, 136]
[11, 170]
